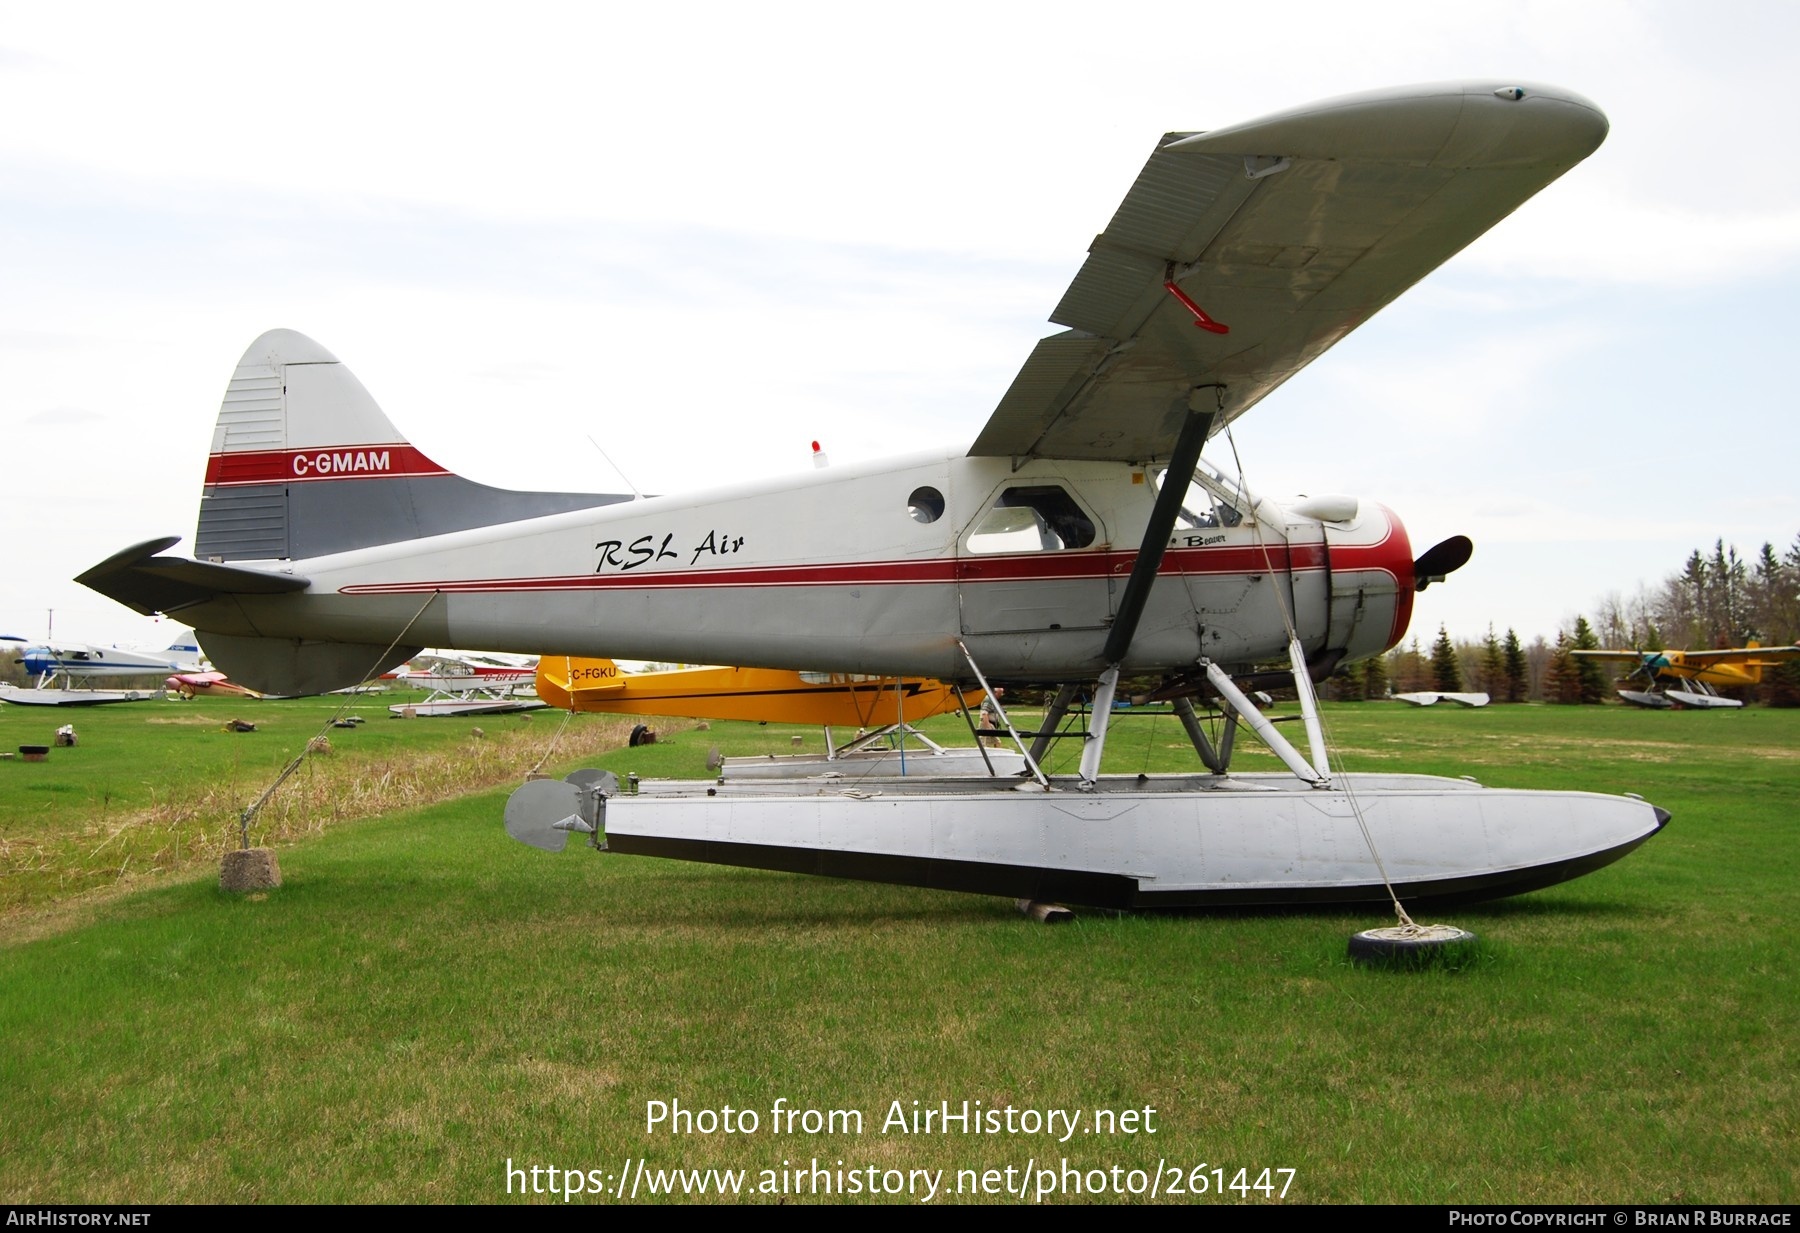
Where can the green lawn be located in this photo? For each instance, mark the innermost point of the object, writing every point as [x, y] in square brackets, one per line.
[424, 1000]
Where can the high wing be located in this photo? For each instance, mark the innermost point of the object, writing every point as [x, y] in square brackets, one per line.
[1768, 655]
[1289, 231]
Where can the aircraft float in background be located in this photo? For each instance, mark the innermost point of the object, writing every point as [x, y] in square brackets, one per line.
[469, 683]
[66, 674]
[882, 709]
[1431, 697]
[1704, 671]
[1080, 538]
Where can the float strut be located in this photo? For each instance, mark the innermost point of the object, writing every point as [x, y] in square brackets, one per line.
[1276, 742]
[1309, 709]
[1184, 710]
[1059, 706]
[1030, 762]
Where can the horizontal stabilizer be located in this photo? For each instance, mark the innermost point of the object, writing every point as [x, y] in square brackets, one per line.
[145, 582]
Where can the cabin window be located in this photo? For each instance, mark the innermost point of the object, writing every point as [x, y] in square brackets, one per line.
[1039, 518]
[926, 504]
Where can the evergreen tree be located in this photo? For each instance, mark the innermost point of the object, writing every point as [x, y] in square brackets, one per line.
[1493, 664]
[1591, 685]
[1517, 671]
[1728, 615]
[1560, 681]
[1446, 671]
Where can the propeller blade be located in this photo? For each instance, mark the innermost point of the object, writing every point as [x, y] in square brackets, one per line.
[1442, 560]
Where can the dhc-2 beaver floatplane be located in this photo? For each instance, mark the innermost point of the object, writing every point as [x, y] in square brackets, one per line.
[74, 675]
[1695, 672]
[1078, 540]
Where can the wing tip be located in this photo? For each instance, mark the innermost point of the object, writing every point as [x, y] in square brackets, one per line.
[1493, 122]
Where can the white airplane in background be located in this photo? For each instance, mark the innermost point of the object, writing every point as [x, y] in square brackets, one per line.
[84, 661]
[470, 683]
[66, 673]
[1078, 540]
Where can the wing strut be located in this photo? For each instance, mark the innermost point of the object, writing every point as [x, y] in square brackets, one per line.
[1175, 482]
[1162, 522]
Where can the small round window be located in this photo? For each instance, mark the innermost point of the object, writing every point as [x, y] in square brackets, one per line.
[925, 505]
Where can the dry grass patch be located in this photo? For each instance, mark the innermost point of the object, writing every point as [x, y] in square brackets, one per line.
[191, 823]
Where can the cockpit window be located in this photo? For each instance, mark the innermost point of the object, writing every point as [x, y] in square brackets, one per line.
[1212, 501]
[1038, 518]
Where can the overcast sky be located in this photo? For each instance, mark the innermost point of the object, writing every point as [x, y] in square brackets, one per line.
[704, 235]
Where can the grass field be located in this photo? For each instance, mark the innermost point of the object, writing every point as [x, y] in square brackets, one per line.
[424, 1000]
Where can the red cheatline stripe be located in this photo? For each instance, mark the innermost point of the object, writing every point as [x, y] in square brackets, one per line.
[1038, 567]
[335, 462]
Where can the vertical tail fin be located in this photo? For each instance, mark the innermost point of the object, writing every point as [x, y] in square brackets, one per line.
[184, 650]
[304, 463]
[562, 680]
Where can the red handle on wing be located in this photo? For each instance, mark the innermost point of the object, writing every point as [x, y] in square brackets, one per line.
[1200, 318]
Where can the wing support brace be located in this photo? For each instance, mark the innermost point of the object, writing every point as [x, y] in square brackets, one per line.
[1194, 430]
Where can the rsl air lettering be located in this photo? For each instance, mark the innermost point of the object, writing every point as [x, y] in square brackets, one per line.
[641, 551]
[645, 549]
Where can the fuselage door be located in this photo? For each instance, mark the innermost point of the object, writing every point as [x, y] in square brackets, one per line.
[1031, 562]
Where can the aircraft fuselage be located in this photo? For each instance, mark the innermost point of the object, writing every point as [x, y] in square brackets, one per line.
[876, 569]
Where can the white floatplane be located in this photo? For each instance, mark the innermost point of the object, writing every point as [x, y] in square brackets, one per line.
[1080, 539]
[471, 683]
[66, 673]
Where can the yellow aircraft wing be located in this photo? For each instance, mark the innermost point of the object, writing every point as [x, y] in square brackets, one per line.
[1760, 656]
[758, 694]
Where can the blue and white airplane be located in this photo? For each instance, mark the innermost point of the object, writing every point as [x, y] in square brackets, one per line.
[65, 672]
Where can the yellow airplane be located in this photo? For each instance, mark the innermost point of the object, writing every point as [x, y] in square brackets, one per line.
[1728, 666]
[827, 699]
